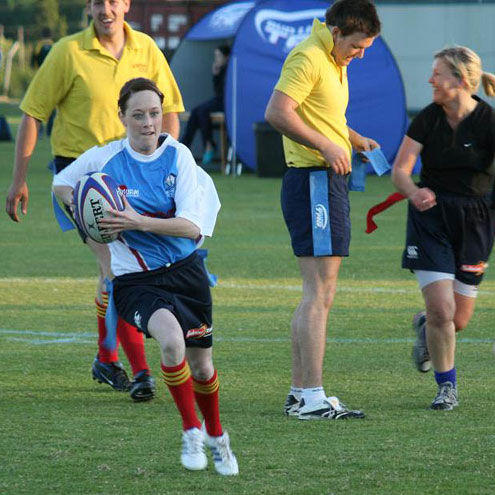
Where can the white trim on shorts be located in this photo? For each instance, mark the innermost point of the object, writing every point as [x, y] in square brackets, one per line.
[426, 277]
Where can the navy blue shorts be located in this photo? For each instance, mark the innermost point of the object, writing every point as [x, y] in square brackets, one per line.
[182, 288]
[455, 236]
[315, 205]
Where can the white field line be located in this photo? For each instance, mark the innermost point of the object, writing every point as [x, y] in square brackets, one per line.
[33, 337]
[234, 285]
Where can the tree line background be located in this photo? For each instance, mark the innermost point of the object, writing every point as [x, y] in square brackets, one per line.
[21, 24]
[61, 16]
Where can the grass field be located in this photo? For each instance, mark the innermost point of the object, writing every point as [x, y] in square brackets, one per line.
[63, 433]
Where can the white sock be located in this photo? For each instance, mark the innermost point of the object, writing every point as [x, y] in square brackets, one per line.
[314, 394]
[296, 392]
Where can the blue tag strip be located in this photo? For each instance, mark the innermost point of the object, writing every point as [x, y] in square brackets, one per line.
[322, 236]
[378, 161]
[212, 279]
[357, 178]
[61, 216]
[63, 220]
[111, 318]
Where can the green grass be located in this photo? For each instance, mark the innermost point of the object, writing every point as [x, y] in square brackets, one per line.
[63, 433]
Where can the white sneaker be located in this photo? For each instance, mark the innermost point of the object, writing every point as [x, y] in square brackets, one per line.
[328, 408]
[223, 457]
[193, 456]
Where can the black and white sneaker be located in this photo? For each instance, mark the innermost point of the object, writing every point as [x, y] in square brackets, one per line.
[112, 374]
[420, 354]
[328, 408]
[142, 387]
[446, 398]
[291, 406]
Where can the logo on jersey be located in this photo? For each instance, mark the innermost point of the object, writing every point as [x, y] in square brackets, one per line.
[140, 67]
[137, 319]
[170, 186]
[477, 269]
[412, 252]
[128, 193]
[199, 333]
[320, 216]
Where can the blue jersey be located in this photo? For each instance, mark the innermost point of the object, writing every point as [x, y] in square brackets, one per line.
[165, 184]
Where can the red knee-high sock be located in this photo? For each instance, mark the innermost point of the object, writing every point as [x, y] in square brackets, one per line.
[104, 355]
[206, 394]
[179, 382]
[133, 344]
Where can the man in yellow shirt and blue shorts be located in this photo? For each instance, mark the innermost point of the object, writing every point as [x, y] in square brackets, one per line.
[81, 78]
[308, 107]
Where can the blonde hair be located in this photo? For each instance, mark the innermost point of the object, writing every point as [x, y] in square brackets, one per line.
[465, 64]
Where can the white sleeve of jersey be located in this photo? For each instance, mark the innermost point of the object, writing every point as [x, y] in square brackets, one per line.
[92, 160]
[196, 198]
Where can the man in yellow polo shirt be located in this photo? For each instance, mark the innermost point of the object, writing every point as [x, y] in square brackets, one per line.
[81, 78]
[308, 107]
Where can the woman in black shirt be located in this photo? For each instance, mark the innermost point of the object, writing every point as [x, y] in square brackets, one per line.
[450, 225]
[200, 115]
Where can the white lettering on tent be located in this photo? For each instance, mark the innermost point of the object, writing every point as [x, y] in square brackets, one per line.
[274, 26]
[229, 16]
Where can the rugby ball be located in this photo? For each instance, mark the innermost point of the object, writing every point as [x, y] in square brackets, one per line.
[94, 196]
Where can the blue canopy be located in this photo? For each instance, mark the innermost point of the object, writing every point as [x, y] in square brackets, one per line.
[264, 32]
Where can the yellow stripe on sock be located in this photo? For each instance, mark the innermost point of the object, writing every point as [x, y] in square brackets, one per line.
[101, 309]
[176, 378]
[206, 389]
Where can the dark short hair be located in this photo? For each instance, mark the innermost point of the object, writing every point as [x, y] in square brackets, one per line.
[224, 50]
[135, 86]
[354, 16]
[46, 32]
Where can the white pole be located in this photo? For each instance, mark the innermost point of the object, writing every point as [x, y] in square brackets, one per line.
[8, 67]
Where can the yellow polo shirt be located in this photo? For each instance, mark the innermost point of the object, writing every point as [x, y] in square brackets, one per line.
[311, 77]
[82, 80]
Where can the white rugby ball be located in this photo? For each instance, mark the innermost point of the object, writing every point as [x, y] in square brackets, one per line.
[94, 196]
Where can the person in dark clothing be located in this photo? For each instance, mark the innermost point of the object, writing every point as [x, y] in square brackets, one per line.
[450, 224]
[200, 115]
[42, 48]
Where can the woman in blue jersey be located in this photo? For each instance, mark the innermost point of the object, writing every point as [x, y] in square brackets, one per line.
[160, 282]
[450, 226]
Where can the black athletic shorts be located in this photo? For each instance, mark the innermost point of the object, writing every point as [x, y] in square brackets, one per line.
[455, 236]
[182, 288]
[315, 205]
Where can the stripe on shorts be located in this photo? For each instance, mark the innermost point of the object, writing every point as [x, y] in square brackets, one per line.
[322, 235]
